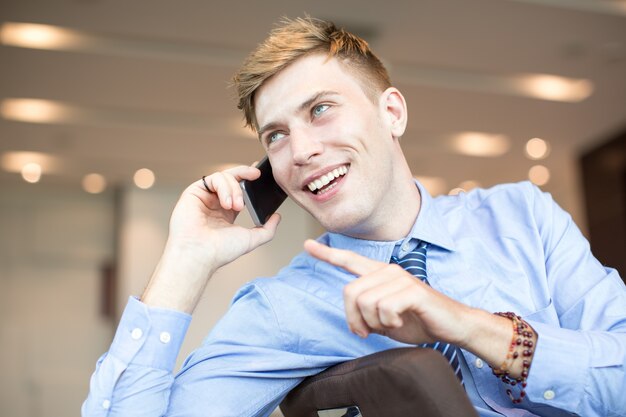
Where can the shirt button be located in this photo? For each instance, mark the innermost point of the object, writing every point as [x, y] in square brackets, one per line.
[136, 333]
[478, 363]
[405, 246]
[548, 394]
[165, 337]
[106, 404]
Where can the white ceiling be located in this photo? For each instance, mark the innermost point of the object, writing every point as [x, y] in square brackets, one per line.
[159, 97]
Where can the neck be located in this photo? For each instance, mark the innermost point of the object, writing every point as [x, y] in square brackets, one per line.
[395, 219]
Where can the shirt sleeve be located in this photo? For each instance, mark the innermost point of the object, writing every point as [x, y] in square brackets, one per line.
[244, 367]
[247, 363]
[134, 377]
[579, 365]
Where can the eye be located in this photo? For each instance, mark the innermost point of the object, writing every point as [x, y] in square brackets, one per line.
[319, 109]
[274, 136]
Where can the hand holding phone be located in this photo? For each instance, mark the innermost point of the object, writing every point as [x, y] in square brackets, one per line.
[262, 196]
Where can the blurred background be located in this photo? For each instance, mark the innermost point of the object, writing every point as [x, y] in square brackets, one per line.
[109, 108]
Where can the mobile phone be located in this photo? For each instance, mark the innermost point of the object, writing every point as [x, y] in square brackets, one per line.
[262, 196]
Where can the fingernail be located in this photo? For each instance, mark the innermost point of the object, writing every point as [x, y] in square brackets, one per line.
[229, 201]
[360, 333]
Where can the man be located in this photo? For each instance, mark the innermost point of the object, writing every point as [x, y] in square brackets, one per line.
[330, 122]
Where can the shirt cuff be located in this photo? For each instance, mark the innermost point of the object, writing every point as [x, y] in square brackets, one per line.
[149, 336]
[558, 368]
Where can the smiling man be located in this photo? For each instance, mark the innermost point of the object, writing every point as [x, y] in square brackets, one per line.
[327, 123]
[331, 122]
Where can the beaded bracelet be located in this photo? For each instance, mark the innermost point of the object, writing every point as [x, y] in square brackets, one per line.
[521, 339]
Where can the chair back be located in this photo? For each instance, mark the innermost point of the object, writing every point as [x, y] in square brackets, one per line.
[399, 382]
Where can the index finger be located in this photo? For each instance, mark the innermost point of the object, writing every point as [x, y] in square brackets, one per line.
[346, 259]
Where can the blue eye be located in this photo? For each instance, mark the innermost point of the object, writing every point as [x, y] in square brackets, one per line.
[319, 109]
[274, 136]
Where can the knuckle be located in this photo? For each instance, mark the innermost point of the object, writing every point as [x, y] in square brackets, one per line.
[386, 307]
[388, 314]
[363, 301]
[349, 292]
[216, 179]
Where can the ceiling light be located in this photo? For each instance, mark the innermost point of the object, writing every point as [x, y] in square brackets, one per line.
[555, 88]
[144, 178]
[537, 148]
[31, 172]
[14, 161]
[94, 183]
[33, 110]
[32, 35]
[38, 36]
[480, 144]
[540, 86]
[539, 175]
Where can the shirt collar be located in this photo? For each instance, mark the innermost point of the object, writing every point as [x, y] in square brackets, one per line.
[429, 227]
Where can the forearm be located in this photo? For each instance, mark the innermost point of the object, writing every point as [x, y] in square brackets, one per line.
[179, 279]
[202, 238]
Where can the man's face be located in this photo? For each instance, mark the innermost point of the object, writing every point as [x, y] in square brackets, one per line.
[330, 145]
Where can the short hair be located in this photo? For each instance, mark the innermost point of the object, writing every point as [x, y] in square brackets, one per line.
[295, 38]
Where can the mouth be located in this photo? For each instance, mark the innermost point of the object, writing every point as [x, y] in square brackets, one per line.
[326, 182]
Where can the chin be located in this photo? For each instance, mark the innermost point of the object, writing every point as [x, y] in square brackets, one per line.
[346, 224]
[348, 219]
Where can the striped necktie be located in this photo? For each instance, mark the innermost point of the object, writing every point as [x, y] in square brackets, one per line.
[415, 263]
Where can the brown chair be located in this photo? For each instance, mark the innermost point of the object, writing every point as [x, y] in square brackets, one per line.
[403, 382]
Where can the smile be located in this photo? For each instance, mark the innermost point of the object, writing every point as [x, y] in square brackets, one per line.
[326, 181]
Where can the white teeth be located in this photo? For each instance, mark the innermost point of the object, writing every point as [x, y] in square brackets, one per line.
[327, 178]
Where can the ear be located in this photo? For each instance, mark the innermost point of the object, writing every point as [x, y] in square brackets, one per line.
[393, 107]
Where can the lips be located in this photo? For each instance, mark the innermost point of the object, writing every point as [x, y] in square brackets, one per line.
[326, 181]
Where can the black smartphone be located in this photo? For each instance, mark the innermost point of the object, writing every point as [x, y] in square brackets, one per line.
[262, 196]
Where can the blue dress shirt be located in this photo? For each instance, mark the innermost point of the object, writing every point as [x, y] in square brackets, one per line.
[508, 248]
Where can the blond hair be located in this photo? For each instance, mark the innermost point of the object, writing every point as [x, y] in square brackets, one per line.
[299, 37]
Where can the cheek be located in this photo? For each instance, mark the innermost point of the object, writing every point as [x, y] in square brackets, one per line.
[279, 170]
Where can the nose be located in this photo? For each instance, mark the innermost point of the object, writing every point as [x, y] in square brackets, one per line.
[304, 146]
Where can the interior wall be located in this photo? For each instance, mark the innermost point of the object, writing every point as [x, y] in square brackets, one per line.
[53, 242]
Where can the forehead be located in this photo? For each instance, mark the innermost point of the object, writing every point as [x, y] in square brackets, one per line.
[296, 83]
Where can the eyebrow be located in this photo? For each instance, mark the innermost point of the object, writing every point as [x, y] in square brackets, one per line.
[305, 105]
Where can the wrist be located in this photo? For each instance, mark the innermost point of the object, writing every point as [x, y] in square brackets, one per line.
[515, 367]
[179, 278]
[488, 336]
